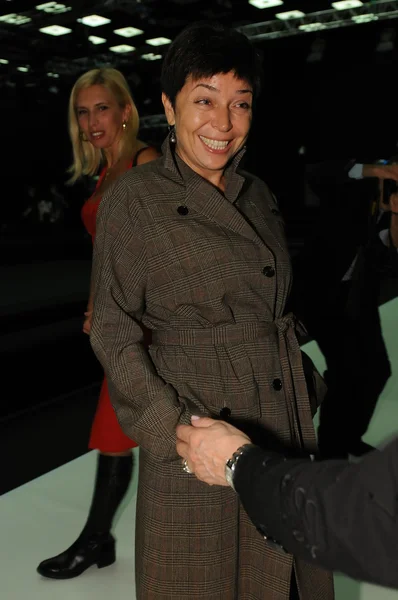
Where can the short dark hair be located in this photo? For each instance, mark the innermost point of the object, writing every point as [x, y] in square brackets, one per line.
[204, 49]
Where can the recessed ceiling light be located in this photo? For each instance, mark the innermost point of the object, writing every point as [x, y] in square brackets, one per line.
[151, 56]
[265, 3]
[53, 8]
[290, 14]
[23, 69]
[94, 20]
[346, 4]
[96, 40]
[122, 48]
[312, 27]
[4, 61]
[53, 75]
[15, 19]
[159, 41]
[55, 30]
[128, 31]
[365, 18]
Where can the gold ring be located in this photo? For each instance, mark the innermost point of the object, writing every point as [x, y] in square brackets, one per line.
[185, 467]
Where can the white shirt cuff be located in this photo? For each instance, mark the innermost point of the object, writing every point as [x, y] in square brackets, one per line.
[356, 172]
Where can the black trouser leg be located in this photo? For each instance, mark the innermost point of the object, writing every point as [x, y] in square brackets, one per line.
[357, 371]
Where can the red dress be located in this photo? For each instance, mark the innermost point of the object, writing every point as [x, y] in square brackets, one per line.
[106, 433]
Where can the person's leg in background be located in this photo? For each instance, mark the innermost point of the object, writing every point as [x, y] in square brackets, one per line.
[96, 544]
[357, 371]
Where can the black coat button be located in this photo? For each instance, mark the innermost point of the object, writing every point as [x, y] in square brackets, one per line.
[269, 271]
[182, 210]
[277, 384]
[225, 413]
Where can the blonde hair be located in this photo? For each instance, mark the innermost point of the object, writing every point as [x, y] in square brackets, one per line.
[86, 158]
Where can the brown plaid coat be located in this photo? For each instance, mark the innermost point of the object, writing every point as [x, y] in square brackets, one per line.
[209, 274]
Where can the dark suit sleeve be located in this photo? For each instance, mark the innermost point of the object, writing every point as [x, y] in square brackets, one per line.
[342, 516]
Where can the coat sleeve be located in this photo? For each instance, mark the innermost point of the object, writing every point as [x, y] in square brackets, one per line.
[341, 516]
[147, 408]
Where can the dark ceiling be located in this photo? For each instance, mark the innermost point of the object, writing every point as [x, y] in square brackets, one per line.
[32, 58]
[25, 45]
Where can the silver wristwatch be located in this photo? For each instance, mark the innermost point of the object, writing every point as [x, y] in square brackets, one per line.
[231, 463]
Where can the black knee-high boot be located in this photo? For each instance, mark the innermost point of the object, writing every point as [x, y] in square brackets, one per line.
[95, 544]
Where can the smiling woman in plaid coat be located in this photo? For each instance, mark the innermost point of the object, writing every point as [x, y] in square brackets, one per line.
[193, 247]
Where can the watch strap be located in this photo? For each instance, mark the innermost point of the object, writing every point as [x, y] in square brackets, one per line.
[231, 463]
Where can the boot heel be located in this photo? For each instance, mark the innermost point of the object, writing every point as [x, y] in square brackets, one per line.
[107, 555]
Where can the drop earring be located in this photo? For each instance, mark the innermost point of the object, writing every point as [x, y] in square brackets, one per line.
[172, 134]
[124, 125]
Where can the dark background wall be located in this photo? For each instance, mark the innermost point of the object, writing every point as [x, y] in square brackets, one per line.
[343, 105]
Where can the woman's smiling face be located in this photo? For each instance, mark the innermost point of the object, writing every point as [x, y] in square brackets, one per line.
[212, 118]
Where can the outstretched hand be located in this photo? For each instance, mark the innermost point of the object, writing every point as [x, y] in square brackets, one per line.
[207, 444]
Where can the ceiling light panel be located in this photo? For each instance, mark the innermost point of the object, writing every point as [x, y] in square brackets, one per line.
[347, 4]
[128, 32]
[365, 18]
[55, 30]
[15, 19]
[290, 14]
[159, 41]
[151, 56]
[265, 3]
[4, 61]
[54, 8]
[23, 69]
[94, 39]
[122, 48]
[94, 20]
[312, 27]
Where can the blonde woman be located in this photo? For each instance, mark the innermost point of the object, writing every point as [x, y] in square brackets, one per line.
[103, 127]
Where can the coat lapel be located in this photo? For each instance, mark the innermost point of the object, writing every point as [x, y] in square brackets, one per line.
[207, 200]
[201, 196]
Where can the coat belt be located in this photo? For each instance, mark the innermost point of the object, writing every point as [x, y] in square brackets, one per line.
[288, 351]
[220, 335]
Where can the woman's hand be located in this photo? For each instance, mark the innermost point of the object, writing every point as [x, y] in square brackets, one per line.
[87, 321]
[206, 445]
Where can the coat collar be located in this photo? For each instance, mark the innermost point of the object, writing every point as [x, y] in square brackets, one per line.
[184, 175]
[206, 199]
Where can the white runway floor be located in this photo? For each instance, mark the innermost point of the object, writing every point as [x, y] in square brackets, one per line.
[44, 517]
